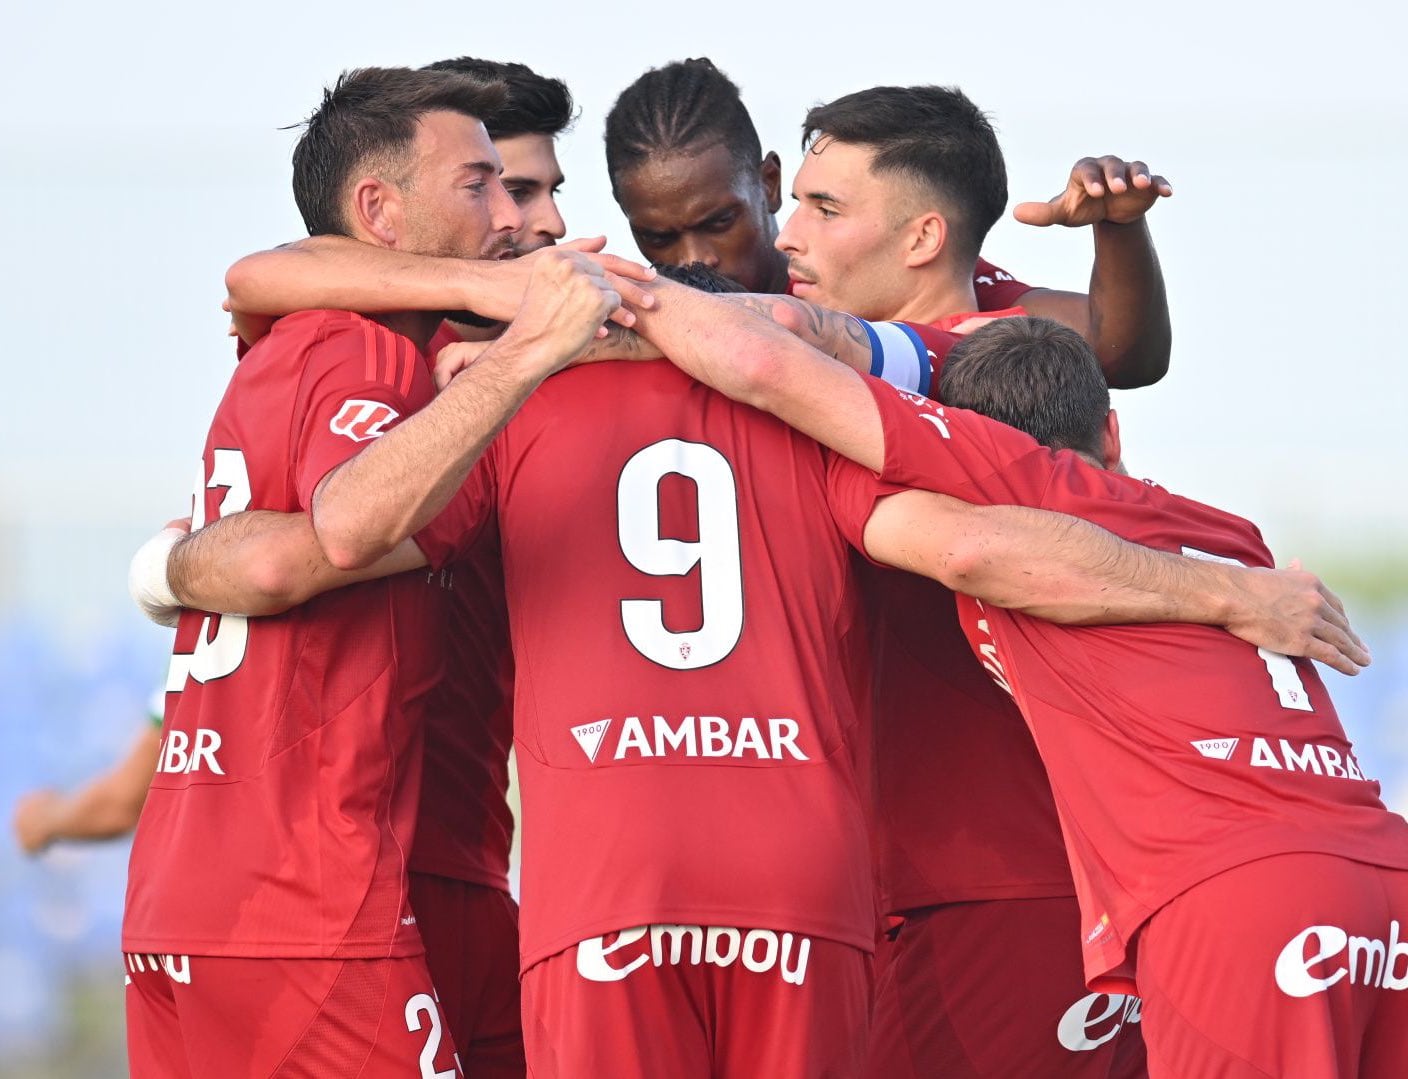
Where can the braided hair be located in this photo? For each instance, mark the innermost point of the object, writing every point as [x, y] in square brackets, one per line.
[685, 106]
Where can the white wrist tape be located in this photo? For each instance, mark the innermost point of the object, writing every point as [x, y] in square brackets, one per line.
[146, 578]
[898, 355]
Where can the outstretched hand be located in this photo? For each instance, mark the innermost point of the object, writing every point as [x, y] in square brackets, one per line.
[1292, 612]
[1099, 189]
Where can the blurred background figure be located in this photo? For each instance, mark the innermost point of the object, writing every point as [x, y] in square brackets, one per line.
[105, 807]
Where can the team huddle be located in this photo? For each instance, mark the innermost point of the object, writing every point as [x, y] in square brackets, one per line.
[869, 719]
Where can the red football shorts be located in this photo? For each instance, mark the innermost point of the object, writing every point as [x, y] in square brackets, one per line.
[692, 1002]
[471, 945]
[1295, 965]
[207, 1017]
[996, 989]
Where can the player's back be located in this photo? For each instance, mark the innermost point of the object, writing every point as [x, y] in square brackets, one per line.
[1177, 751]
[279, 817]
[681, 606]
[1174, 751]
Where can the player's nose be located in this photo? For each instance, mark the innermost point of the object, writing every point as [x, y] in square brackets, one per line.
[698, 249]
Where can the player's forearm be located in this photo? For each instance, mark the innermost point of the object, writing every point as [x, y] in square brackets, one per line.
[345, 274]
[1045, 564]
[755, 361]
[1077, 573]
[838, 335]
[1129, 320]
[254, 563]
[263, 563]
[388, 492]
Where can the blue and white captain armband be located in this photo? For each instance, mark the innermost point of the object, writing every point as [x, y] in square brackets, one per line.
[899, 356]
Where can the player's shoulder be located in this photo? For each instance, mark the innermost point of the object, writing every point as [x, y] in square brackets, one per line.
[309, 343]
[312, 329]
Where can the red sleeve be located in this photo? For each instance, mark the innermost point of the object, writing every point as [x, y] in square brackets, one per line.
[851, 494]
[939, 344]
[453, 532]
[957, 452]
[360, 380]
[996, 288]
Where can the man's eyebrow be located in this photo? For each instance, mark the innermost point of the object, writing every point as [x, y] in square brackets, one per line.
[478, 166]
[821, 196]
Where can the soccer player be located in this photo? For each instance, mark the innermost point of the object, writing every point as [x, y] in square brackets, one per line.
[460, 861]
[106, 807]
[695, 870]
[896, 193]
[302, 275]
[687, 170]
[1233, 861]
[267, 924]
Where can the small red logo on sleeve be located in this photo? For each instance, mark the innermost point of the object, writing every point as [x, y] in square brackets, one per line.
[362, 420]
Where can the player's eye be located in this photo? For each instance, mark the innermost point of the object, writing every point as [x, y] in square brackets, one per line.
[722, 223]
[826, 212]
[520, 195]
[657, 241]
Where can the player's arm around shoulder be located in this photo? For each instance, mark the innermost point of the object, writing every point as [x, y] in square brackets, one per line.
[374, 500]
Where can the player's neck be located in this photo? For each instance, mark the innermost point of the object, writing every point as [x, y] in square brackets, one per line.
[939, 295]
[419, 326]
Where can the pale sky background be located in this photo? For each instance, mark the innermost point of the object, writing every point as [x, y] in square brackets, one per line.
[142, 154]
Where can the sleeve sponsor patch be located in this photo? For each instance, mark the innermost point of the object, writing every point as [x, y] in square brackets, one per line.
[362, 420]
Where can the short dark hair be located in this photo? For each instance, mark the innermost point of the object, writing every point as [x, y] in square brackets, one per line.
[689, 105]
[368, 119]
[935, 136]
[1032, 374]
[535, 105]
[701, 276]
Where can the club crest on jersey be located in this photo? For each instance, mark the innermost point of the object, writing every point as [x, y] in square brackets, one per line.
[362, 421]
[589, 736]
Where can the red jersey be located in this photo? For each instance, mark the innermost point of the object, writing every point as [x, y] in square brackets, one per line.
[682, 611]
[989, 830]
[996, 288]
[1175, 751]
[284, 798]
[465, 828]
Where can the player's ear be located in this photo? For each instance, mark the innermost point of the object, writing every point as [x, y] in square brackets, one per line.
[1111, 446]
[924, 239]
[376, 212]
[771, 172]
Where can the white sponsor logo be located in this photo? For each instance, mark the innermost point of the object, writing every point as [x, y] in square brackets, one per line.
[1093, 1020]
[1377, 963]
[759, 950]
[989, 658]
[1306, 757]
[696, 736]
[410, 919]
[177, 967]
[589, 737]
[982, 279]
[173, 756]
[1218, 749]
[362, 421]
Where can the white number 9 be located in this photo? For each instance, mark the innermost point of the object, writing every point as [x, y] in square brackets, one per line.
[717, 554]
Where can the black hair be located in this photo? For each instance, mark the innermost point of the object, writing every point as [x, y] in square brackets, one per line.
[368, 120]
[698, 275]
[1032, 374]
[689, 105]
[535, 105]
[935, 136]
